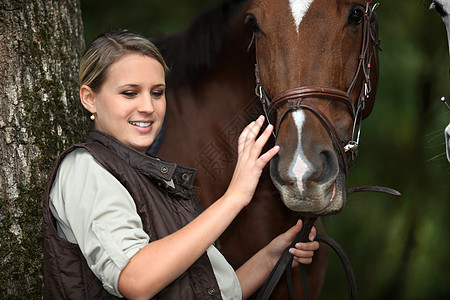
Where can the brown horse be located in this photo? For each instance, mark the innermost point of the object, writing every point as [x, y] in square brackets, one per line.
[211, 97]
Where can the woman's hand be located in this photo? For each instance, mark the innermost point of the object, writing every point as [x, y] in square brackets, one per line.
[256, 270]
[250, 164]
[303, 252]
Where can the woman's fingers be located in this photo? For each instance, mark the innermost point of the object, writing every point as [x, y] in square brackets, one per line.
[250, 164]
[312, 234]
[266, 157]
[250, 133]
[304, 252]
[264, 137]
[243, 137]
[252, 145]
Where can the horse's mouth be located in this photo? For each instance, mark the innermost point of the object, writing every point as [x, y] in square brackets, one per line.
[319, 200]
[336, 201]
[322, 204]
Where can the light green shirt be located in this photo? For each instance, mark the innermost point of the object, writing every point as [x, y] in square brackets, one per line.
[94, 210]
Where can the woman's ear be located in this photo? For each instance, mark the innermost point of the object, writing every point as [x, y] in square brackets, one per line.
[87, 97]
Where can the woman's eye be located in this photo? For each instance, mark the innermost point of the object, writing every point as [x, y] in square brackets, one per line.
[129, 94]
[355, 17]
[157, 94]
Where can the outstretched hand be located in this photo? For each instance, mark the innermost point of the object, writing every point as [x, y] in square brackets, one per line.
[250, 164]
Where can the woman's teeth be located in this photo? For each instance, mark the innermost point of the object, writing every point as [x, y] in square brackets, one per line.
[141, 124]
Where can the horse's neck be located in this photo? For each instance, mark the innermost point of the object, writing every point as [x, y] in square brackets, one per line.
[230, 77]
[206, 115]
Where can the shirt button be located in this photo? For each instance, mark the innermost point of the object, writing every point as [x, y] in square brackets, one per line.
[164, 170]
[211, 291]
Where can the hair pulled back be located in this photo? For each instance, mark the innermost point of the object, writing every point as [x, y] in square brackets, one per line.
[108, 48]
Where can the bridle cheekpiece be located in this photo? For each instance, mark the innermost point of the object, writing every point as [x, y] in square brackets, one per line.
[295, 98]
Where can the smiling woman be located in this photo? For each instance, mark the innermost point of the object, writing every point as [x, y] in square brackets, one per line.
[131, 104]
[112, 212]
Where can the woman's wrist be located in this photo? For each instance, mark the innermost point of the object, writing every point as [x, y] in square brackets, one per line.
[236, 199]
[269, 260]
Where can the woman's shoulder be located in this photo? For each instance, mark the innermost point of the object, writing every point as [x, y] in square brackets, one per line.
[79, 160]
[77, 156]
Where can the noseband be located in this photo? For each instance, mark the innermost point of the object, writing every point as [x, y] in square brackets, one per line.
[296, 98]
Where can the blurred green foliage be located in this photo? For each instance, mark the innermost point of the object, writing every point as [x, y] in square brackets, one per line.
[149, 18]
[399, 247]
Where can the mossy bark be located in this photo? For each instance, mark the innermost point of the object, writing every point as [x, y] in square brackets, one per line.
[40, 46]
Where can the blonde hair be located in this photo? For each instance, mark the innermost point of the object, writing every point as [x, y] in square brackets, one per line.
[107, 49]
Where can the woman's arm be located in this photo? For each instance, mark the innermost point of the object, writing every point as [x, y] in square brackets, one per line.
[162, 261]
[256, 270]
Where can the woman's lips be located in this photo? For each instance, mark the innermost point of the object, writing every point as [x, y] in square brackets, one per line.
[143, 127]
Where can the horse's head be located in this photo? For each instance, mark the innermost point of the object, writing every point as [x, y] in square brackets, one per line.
[316, 66]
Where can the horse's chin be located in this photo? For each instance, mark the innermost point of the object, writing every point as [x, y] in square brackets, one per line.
[319, 202]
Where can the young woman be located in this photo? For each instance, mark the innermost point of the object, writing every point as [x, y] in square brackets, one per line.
[121, 223]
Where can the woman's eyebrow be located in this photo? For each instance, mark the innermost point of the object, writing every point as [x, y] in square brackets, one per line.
[128, 85]
[138, 85]
[159, 85]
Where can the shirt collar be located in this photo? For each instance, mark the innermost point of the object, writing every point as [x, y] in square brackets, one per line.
[146, 164]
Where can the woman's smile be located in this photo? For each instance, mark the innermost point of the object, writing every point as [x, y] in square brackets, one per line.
[131, 104]
[143, 127]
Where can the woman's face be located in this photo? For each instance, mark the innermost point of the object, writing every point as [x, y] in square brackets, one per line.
[131, 103]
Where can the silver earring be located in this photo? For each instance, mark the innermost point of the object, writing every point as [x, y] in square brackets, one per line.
[92, 117]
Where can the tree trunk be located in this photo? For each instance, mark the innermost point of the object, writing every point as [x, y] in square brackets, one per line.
[40, 46]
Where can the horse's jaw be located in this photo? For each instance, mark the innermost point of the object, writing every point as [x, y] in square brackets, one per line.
[318, 199]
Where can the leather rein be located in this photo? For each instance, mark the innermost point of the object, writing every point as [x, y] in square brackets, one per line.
[295, 98]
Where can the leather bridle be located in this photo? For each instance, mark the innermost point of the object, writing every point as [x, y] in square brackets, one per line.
[296, 98]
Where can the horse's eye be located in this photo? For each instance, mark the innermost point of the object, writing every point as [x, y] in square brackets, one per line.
[251, 20]
[355, 17]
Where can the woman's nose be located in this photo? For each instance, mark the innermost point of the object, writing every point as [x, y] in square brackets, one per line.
[146, 104]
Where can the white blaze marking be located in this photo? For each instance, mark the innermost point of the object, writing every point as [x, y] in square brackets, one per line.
[300, 165]
[299, 9]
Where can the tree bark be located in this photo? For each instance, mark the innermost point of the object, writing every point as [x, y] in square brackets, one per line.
[40, 46]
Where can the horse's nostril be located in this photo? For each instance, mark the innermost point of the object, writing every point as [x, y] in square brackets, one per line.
[329, 166]
[274, 172]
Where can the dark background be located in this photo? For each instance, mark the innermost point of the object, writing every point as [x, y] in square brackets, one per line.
[399, 247]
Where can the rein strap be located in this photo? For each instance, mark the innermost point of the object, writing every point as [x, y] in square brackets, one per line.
[285, 264]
